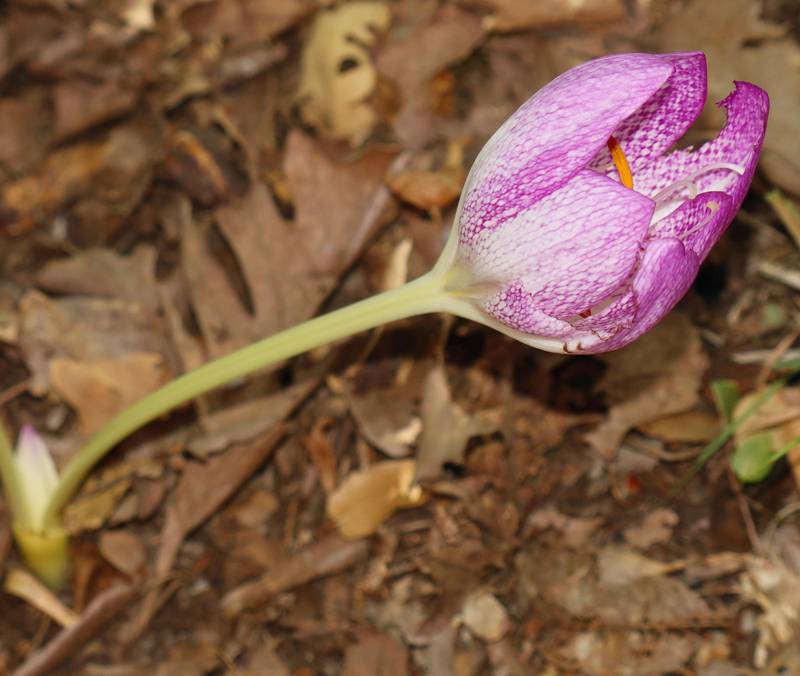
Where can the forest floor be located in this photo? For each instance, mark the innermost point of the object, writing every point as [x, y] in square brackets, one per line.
[179, 179]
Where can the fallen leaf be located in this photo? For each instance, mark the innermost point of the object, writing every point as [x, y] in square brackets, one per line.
[387, 417]
[365, 499]
[512, 15]
[103, 273]
[771, 585]
[602, 652]
[376, 653]
[659, 375]
[574, 531]
[412, 61]
[90, 510]
[485, 616]
[740, 45]
[21, 144]
[81, 104]
[655, 528]
[124, 550]
[446, 427]
[337, 73]
[690, 427]
[107, 178]
[24, 585]
[325, 557]
[82, 329]
[100, 389]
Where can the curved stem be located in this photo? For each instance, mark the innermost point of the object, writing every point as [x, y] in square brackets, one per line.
[423, 295]
[9, 474]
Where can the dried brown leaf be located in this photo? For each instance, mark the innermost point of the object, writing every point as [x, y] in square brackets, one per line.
[446, 427]
[103, 273]
[485, 616]
[376, 653]
[100, 389]
[365, 499]
[412, 61]
[740, 45]
[107, 178]
[660, 374]
[337, 73]
[655, 528]
[124, 550]
[513, 15]
[328, 556]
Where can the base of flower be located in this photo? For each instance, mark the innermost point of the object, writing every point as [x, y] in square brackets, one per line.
[46, 553]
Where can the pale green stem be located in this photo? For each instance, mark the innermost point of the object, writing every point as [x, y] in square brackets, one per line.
[426, 294]
[8, 470]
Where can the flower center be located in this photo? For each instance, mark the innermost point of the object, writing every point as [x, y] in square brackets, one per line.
[620, 162]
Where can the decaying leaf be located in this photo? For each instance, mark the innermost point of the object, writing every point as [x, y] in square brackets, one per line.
[124, 550]
[411, 62]
[775, 588]
[388, 416]
[512, 15]
[446, 427]
[654, 528]
[658, 375]
[690, 427]
[85, 330]
[337, 74]
[740, 45]
[100, 389]
[103, 273]
[602, 652]
[376, 653]
[365, 499]
[485, 616]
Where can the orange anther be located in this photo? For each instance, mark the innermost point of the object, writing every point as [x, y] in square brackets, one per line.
[620, 162]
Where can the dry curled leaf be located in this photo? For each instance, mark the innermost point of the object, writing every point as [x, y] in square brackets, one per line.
[337, 74]
[365, 499]
[513, 15]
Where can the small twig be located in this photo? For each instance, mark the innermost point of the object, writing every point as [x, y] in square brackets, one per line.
[93, 620]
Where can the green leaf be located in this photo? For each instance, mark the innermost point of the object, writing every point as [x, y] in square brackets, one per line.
[753, 458]
[726, 395]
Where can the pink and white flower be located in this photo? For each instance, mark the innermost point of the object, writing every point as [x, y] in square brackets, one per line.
[567, 255]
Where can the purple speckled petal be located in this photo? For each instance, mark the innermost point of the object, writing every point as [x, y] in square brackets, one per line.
[739, 143]
[665, 274]
[665, 117]
[555, 134]
[571, 249]
[698, 223]
[513, 307]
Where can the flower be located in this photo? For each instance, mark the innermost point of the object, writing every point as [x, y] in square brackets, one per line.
[35, 481]
[37, 477]
[577, 229]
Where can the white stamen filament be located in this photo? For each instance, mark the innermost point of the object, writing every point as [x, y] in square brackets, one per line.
[690, 181]
[665, 206]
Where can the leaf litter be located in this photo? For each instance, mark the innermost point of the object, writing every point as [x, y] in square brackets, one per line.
[180, 179]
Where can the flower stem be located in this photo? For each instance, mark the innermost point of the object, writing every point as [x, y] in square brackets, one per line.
[423, 295]
[8, 472]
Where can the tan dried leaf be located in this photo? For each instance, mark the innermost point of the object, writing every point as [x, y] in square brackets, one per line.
[337, 73]
[365, 499]
[658, 375]
[513, 15]
[99, 390]
[485, 616]
[124, 550]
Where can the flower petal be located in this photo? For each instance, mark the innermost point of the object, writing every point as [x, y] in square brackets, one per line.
[665, 117]
[555, 134]
[570, 250]
[665, 274]
[739, 143]
[513, 307]
[698, 223]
